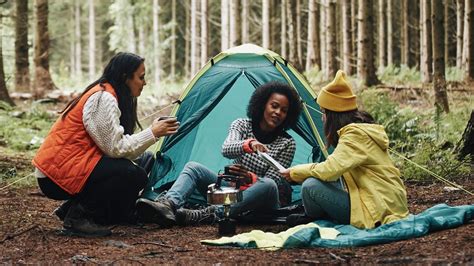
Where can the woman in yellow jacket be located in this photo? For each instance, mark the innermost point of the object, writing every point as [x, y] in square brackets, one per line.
[373, 192]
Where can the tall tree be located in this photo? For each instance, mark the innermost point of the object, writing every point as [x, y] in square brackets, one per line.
[346, 38]
[245, 21]
[291, 16]
[92, 47]
[459, 32]
[469, 9]
[4, 96]
[426, 42]
[283, 28]
[204, 34]
[266, 24]
[43, 81]
[323, 39]
[77, 33]
[156, 44]
[331, 44]
[389, 33]
[224, 25]
[354, 29]
[365, 41]
[312, 55]
[234, 25]
[405, 34]
[22, 72]
[173, 39]
[381, 35]
[194, 37]
[439, 81]
[299, 46]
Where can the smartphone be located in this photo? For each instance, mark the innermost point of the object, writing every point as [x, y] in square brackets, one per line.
[166, 117]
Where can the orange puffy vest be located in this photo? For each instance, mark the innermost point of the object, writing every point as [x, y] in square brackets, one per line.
[68, 154]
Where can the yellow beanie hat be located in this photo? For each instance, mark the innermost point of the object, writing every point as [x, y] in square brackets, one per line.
[337, 96]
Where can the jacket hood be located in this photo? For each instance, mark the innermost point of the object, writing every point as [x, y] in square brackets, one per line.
[374, 131]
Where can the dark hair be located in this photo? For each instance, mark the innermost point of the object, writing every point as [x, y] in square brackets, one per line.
[260, 98]
[338, 120]
[120, 68]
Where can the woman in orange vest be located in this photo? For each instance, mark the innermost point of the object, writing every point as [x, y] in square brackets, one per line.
[87, 156]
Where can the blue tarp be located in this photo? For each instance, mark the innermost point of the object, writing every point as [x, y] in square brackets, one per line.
[436, 218]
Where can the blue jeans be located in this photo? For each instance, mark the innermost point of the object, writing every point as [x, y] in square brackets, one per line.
[326, 200]
[261, 195]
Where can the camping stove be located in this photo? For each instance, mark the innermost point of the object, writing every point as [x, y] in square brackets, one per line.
[218, 194]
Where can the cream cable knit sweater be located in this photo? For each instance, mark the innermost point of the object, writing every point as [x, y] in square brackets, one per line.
[101, 118]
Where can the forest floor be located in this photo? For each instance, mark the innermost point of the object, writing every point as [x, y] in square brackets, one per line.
[30, 234]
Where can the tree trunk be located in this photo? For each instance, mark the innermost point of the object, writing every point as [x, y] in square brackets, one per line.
[426, 43]
[466, 144]
[465, 40]
[469, 24]
[43, 81]
[72, 43]
[204, 38]
[381, 36]
[439, 81]
[92, 47]
[299, 48]
[291, 15]
[224, 25]
[389, 33]
[365, 55]
[346, 38]
[245, 21]
[323, 40]
[283, 28]
[156, 44]
[459, 32]
[354, 32]
[234, 23]
[4, 96]
[22, 72]
[331, 44]
[77, 31]
[312, 54]
[414, 34]
[187, 40]
[194, 37]
[266, 24]
[173, 40]
[405, 41]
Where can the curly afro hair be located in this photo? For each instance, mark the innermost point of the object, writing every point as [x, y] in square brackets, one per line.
[260, 98]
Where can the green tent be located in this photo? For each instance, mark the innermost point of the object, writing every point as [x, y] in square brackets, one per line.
[218, 95]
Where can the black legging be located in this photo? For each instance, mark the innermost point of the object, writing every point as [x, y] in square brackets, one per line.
[110, 191]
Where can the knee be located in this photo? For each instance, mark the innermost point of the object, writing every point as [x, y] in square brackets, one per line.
[269, 184]
[191, 166]
[310, 184]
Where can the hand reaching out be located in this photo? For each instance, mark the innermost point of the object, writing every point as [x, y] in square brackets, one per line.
[256, 145]
[164, 127]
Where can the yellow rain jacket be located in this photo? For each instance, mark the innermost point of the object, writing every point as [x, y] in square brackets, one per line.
[377, 194]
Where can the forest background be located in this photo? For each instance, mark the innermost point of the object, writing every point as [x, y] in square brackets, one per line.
[410, 61]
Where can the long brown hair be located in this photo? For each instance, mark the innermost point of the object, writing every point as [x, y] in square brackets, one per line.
[337, 120]
[120, 68]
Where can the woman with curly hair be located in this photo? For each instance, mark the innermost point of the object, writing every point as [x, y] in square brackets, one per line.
[273, 108]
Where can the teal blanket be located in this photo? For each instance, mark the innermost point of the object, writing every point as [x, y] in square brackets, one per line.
[433, 219]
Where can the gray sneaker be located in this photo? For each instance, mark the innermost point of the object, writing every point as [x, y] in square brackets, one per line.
[161, 211]
[193, 217]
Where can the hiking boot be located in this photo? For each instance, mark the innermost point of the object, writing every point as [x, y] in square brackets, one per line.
[79, 223]
[193, 217]
[62, 210]
[297, 219]
[161, 211]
